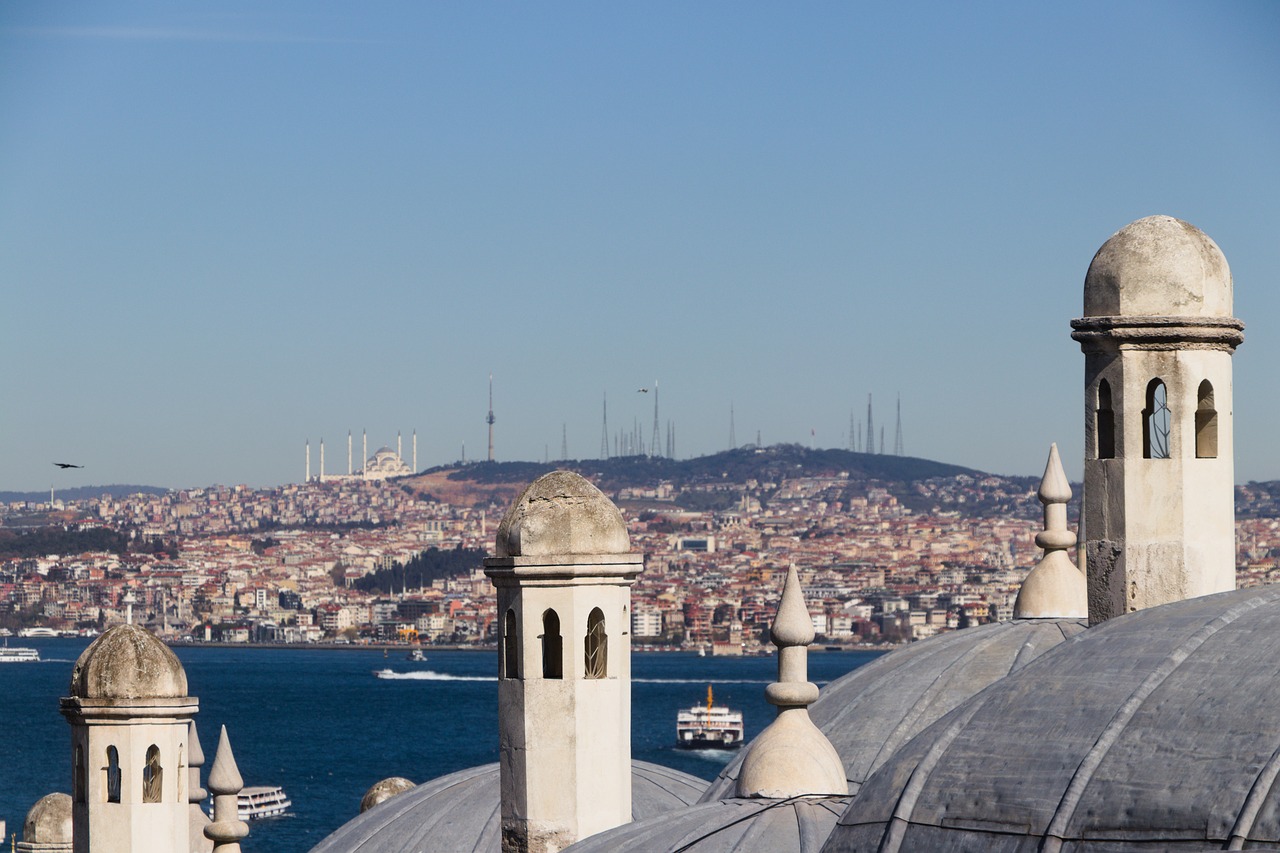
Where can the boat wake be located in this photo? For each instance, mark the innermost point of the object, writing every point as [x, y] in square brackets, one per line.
[430, 675]
[698, 681]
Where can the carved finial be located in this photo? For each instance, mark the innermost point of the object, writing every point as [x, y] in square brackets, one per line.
[792, 757]
[195, 760]
[1055, 588]
[224, 781]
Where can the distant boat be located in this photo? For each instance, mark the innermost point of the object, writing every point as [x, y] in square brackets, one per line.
[417, 656]
[709, 726]
[261, 801]
[18, 654]
[383, 673]
[37, 632]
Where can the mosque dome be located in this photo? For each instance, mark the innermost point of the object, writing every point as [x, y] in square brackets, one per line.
[1156, 730]
[1159, 267]
[49, 821]
[562, 513]
[797, 825]
[461, 812]
[128, 662]
[870, 712]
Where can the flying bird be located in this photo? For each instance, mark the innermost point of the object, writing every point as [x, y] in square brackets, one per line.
[642, 390]
[67, 465]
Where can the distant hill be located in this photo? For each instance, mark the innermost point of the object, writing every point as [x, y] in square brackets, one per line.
[499, 482]
[81, 493]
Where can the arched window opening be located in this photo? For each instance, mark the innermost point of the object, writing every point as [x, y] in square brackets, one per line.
[1206, 423]
[552, 646]
[510, 650]
[113, 775]
[79, 782]
[152, 776]
[596, 654]
[1105, 426]
[1155, 422]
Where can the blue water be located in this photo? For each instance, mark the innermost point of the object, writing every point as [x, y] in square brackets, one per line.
[318, 723]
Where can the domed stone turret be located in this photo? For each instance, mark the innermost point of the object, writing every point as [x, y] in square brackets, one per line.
[48, 825]
[1158, 266]
[562, 513]
[128, 662]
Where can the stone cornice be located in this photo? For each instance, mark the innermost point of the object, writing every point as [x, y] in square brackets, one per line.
[1114, 332]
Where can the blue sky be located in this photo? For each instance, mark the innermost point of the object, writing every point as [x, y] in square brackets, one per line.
[227, 228]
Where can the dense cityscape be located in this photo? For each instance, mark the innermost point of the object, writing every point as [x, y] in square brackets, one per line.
[355, 560]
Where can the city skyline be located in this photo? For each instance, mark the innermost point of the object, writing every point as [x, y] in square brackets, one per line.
[226, 231]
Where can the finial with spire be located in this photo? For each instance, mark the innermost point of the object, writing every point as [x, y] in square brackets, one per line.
[195, 793]
[1055, 588]
[792, 757]
[224, 781]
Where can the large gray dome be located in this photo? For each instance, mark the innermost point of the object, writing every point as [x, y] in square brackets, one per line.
[461, 812]
[1157, 730]
[797, 825]
[878, 707]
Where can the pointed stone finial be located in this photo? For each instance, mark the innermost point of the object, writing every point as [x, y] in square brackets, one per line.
[1055, 588]
[197, 820]
[792, 757]
[224, 781]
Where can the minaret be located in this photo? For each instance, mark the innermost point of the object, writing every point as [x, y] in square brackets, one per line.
[415, 451]
[130, 716]
[399, 455]
[1055, 588]
[349, 468]
[489, 418]
[308, 477]
[563, 572]
[1157, 336]
[364, 454]
[792, 757]
[322, 460]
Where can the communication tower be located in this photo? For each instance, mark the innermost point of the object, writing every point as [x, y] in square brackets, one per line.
[871, 432]
[897, 439]
[604, 429]
[489, 420]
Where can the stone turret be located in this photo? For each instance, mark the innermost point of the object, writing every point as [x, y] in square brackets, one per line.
[48, 827]
[130, 715]
[563, 571]
[1158, 336]
[791, 757]
[1055, 588]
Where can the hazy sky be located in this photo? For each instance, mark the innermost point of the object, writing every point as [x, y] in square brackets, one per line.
[228, 227]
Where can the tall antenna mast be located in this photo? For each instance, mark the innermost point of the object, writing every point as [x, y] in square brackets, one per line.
[655, 449]
[564, 440]
[871, 432]
[733, 439]
[897, 439]
[604, 429]
[489, 419]
[853, 432]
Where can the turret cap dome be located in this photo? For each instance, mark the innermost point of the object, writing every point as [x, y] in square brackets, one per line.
[562, 513]
[49, 821]
[128, 662]
[1158, 266]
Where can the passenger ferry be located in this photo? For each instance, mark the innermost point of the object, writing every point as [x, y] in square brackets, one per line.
[262, 801]
[18, 654]
[709, 726]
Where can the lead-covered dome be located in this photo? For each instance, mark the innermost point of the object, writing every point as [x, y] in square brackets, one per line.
[870, 712]
[49, 821]
[128, 662]
[1158, 267]
[794, 825]
[1156, 730]
[462, 812]
[562, 513]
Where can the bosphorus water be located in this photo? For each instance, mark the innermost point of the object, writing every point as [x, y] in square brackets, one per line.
[318, 723]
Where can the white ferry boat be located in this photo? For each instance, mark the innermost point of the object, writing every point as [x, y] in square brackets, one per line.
[709, 726]
[262, 801]
[417, 656]
[18, 654]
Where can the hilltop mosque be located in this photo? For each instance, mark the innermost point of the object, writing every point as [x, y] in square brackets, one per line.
[1133, 706]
